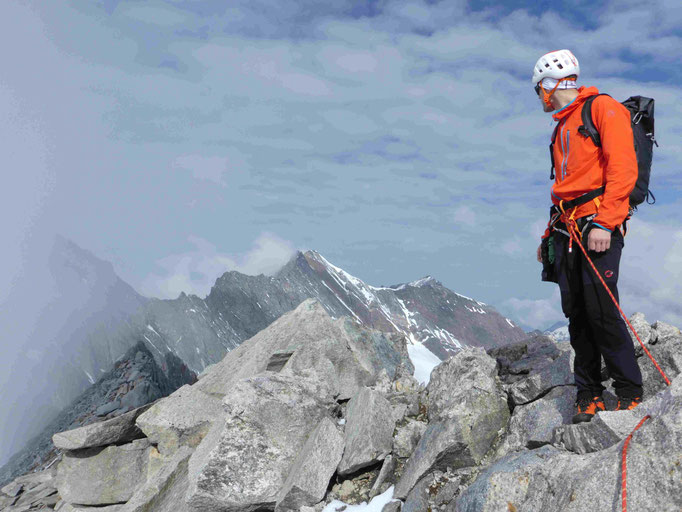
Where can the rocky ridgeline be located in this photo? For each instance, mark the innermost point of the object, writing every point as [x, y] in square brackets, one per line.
[312, 409]
[134, 381]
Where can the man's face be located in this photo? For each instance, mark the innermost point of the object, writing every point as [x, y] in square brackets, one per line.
[544, 105]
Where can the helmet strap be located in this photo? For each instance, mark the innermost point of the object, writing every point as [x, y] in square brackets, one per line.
[547, 95]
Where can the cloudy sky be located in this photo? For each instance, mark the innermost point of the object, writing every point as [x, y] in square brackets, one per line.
[180, 139]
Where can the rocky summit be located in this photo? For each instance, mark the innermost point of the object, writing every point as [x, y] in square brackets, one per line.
[315, 412]
[182, 337]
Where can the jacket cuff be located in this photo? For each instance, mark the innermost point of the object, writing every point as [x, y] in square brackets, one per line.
[602, 227]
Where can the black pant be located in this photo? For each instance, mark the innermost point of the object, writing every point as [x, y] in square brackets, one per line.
[596, 328]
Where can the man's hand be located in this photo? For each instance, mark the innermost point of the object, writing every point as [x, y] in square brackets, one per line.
[540, 253]
[599, 240]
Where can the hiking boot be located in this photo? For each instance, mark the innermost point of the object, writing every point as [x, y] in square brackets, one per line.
[587, 408]
[627, 403]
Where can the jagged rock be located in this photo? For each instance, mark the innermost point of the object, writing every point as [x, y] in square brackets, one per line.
[67, 507]
[392, 506]
[643, 329]
[349, 356]
[278, 359]
[12, 489]
[467, 409]
[541, 379]
[435, 490]
[312, 470]
[243, 461]
[471, 371]
[338, 351]
[32, 479]
[105, 409]
[165, 490]
[37, 495]
[532, 425]
[668, 354]
[103, 476]
[308, 322]
[384, 477]
[549, 480]
[606, 429]
[181, 419]
[407, 436]
[418, 498]
[368, 433]
[665, 332]
[120, 429]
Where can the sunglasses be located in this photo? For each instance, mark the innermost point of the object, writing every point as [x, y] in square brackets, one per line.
[537, 88]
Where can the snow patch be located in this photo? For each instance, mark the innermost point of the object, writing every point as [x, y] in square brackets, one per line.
[152, 329]
[510, 322]
[424, 361]
[92, 381]
[375, 505]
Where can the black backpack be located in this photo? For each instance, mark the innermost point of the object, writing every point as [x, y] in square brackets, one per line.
[642, 117]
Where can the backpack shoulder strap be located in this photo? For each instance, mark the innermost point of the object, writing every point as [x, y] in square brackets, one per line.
[588, 129]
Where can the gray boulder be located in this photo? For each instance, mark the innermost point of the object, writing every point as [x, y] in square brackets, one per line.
[103, 476]
[244, 460]
[407, 436]
[467, 411]
[349, 356]
[120, 429]
[312, 470]
[385, 477]
[67, 507]
[533, 425]
[181, 419]
[668, 354]
[542, 378]
[165, 490]
[340, 354]
[643, 329]
[368, 433]
[665, 332]
[547, 479]
[606, 429]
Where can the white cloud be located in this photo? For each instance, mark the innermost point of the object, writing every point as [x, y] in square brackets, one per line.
[651, 271]
[196, 271]
[536, 313]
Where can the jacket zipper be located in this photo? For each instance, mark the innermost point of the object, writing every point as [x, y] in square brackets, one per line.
[568, 149]
[563, 150]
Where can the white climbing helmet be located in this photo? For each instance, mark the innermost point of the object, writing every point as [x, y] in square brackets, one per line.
[557, 64]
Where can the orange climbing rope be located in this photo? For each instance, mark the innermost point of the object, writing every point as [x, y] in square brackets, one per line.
[572, 226]
[624, 467]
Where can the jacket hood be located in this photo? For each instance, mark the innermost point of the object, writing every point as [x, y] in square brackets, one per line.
[583, 94]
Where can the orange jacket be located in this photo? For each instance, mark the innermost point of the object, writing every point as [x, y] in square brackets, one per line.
[580, 166]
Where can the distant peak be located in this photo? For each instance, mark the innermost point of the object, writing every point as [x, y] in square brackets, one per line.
[427, 280]
[423, 281]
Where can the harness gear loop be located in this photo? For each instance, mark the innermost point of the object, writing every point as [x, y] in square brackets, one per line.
[571, 226]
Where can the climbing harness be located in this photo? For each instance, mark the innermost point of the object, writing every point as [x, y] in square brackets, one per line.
[574, 233]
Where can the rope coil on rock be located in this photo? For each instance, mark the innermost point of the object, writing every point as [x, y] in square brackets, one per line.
[572, 226]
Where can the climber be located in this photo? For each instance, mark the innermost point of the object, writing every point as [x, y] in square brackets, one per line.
[593, 184]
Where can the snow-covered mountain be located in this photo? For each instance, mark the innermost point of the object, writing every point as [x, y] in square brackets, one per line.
[558, 332]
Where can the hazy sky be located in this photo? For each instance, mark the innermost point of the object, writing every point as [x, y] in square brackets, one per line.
[180, 139]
